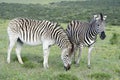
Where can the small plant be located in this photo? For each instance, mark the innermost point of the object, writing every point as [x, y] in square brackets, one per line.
[100, 76]
[66, 77]
[114, 39]
[117, 70]
[29, 64]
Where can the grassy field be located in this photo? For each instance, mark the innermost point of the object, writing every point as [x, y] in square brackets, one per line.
[105, 61]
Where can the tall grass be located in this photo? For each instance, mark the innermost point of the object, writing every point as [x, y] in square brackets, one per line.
[105, 61]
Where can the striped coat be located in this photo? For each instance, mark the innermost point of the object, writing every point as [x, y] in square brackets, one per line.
[35, 32]
[85, 34]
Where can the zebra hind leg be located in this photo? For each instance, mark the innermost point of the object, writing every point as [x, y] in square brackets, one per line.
[18, 50]
[45, 55]
[12, 41]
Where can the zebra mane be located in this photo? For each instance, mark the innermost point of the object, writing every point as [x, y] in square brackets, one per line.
[92, 22]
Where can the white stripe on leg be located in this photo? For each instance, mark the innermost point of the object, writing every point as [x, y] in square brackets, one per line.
[45, 55]
[89, 53]
[79, 55]
[18, 51]
[9, 51]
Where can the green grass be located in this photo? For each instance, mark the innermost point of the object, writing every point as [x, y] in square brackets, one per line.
[105, 61]
[100, 76]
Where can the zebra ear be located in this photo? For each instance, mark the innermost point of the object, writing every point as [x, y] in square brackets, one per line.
[101, 16]
[104, 17]
[96, 17]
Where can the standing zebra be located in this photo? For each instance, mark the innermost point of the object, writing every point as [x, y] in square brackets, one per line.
[85, 34]
[34, 32]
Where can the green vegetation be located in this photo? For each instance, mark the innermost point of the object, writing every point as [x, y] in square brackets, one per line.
[29, 64]
[100, 76]
[115, 39]
[105, 58]
[63, 11]
[63, 76]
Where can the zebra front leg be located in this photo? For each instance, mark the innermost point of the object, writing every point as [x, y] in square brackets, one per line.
[89, 53]
[45, 55]
[74, 54]
[79, 55]
[18, 51]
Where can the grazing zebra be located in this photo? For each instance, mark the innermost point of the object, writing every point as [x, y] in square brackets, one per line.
[34, 32]
[85, 34]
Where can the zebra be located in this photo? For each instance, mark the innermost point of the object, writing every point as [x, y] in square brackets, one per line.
[35, 32]
[85, 34]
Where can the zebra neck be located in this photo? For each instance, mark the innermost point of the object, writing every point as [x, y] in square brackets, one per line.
[90, 36]
[92, 32]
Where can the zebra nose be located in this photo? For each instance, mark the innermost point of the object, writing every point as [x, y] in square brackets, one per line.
[102, 35]
[67, 67]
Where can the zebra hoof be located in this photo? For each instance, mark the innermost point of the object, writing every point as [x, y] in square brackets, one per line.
[77, 65]
[46, 66]
[21, 62]
[89, 67]
[8, 60]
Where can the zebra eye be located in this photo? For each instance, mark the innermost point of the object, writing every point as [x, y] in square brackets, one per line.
[98, 25]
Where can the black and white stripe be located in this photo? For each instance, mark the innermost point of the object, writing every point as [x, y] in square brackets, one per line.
[85, 33]
[35, 32]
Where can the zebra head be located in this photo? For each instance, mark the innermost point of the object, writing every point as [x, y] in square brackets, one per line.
[99, 23]
[66, 58]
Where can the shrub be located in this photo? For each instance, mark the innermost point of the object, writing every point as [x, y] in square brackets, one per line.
[114, 39]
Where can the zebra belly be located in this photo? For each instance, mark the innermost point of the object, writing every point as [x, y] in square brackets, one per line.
[38, 42]
[32, 43]
[48, 41]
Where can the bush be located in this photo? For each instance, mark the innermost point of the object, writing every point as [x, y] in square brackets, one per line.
[64, 11]
[115, 39]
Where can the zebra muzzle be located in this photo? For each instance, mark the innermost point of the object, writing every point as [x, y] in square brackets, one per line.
[67, 68]
[102, 35]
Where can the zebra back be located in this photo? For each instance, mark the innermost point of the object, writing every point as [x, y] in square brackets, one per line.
[76, 31]
[31, 31]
